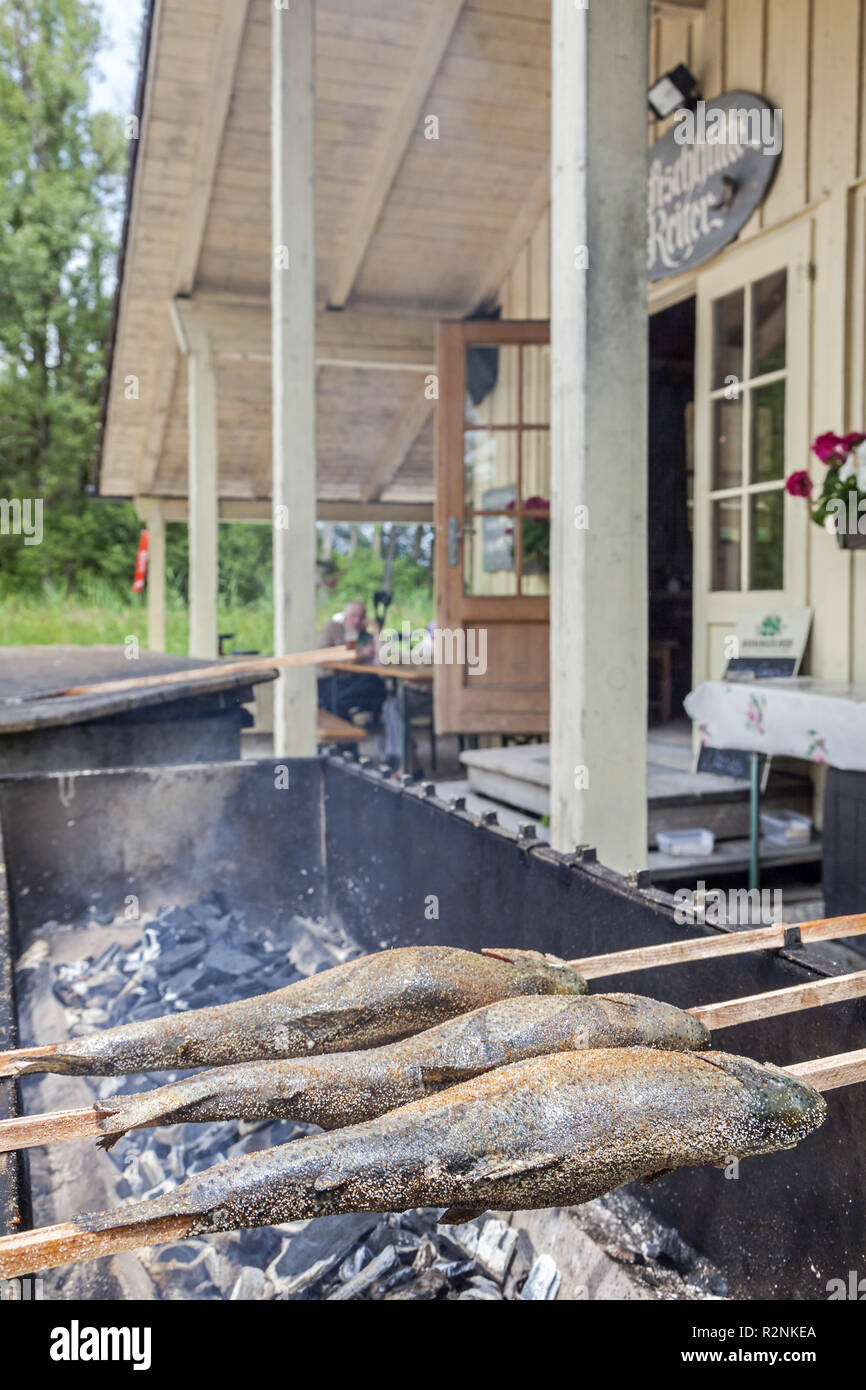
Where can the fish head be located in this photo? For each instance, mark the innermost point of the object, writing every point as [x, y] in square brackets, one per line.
[787, 1107]
[550, 974]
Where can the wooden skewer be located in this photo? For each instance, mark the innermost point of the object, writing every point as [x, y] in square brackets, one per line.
[259, 663]
[755, 1007]
[31, 1251]
[828, 1073]
[31, 1131]
[713, 947]
[28, 1252]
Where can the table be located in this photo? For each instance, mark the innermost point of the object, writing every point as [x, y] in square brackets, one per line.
[198, 720]
[819, 721]
[404, 676]
[331, 729]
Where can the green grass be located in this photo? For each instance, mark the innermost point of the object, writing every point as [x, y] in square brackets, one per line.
[104, 618]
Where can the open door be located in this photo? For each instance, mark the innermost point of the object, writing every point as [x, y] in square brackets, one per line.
[493, 527]
[752, 428]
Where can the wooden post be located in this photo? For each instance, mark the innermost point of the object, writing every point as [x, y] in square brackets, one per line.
[156, 618]
[293, 322]
[203, 491]
[598, 676]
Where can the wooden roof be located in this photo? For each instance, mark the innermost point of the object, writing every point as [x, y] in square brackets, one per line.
[409, 229]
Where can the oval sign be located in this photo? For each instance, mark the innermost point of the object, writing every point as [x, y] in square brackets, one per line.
[706, 177]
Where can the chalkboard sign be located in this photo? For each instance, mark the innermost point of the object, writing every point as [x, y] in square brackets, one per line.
[761, 668]
[730, 762]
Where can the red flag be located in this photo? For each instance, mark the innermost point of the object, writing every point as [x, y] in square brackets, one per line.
[141, 564]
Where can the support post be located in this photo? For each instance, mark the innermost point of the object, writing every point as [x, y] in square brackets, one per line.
[293, 322]
[599, 430]
[203, 493]
[156, 617]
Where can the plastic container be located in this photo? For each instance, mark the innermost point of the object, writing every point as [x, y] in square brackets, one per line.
[786, 827]
[691, 843]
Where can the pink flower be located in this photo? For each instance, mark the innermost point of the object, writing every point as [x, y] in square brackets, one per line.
[799, 484]
[830, 448]
[851, 441]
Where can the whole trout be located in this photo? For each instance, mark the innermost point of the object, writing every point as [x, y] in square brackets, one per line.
[348, 1087]
[553, 1131]
[363, 1003]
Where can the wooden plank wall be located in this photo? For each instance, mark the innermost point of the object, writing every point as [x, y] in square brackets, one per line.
[808, 58]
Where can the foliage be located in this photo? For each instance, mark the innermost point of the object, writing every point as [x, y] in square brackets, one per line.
[61, 186]
[842, 498]
[61, 171]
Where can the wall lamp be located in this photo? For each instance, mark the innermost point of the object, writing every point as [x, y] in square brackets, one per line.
[675, 89]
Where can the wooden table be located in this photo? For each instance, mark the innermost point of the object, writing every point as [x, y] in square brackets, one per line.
[331, 729]
[404, 675]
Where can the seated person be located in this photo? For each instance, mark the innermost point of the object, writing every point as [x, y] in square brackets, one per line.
[353, 692]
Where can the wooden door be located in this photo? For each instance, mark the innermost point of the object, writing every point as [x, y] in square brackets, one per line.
[493, 527]
[751, 431]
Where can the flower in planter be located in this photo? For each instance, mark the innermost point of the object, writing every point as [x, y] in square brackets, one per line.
[855, 467]
[536, 534]
[841, 503]
[800, 484]
[829, 448]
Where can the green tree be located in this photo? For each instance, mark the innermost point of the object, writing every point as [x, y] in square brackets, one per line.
[61, 169]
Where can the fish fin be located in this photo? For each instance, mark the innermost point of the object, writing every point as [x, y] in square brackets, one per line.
[458, 1216]
[108, 1141]
[654, 1177]
[492, 1169]
[448, 1076]
[329, 1182]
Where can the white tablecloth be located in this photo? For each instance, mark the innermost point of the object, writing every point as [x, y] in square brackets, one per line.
[801, 718]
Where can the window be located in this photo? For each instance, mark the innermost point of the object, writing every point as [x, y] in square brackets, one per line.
[506, 470]
[749, 404]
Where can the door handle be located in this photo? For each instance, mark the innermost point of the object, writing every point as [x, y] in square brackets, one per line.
[455, 536]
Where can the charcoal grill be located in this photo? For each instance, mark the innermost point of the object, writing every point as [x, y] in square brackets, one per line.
[396, 866]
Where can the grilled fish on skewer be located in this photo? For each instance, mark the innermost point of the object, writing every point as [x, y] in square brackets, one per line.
[348, 1087]
[363, 1003]
[553, 1131]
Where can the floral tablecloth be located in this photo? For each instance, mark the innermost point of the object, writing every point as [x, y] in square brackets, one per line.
[820, 721]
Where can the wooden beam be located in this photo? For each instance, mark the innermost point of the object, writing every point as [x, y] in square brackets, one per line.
[203, 490]
[261, 510]
[521, 230]
[293, 371]
[394, 144]
[227, 52]
[398, 444]
[201, 673]
[169, 364]
[241, 327]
